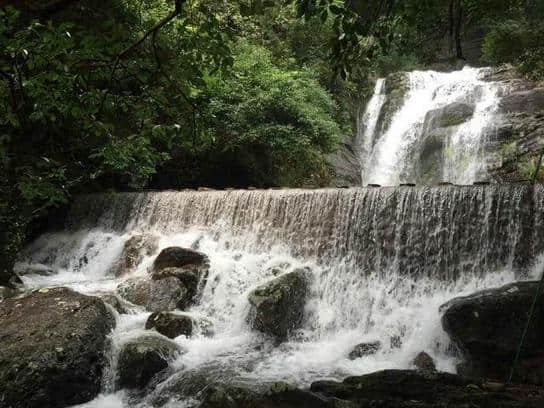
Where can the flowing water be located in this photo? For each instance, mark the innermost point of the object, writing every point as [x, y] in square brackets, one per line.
[422, 144]
[383, 260]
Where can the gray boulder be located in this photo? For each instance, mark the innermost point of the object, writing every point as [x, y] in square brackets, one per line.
[277, 307]
[134, 251]
[487, 327]
[141, 358]
[167, 294]
[170, 325]
[177, 257]
[451, 115]
[155, 295]
[53, 345]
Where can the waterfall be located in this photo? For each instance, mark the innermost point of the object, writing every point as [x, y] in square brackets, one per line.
[383, 261]
[438, 132]
[366, 125]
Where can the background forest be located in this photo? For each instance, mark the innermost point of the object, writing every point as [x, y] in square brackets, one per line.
[152, 94]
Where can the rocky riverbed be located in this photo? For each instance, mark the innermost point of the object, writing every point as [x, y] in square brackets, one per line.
[57, 347]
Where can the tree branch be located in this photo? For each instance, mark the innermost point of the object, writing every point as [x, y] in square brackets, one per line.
[152, 31]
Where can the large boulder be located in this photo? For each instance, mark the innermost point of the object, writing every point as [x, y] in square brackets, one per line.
[188, 266]
[487, 327]
[452, 115]
[134, 251]
[277, 307]
[167, 294]
[177, 257]
[170, 324]
[155, 295]
[52, 349]
[143, 357]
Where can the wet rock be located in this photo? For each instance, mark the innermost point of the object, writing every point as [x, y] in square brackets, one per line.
[155, 295]
[424, 362]
[176, 257]
[410, 389]
[275, 395]
[527, 101]
[167, 294]
[451, 115]
[142, 358]
[133, 253]
[487, 327]
[396, 87]
[135, 290]
[189, 276]
[365, 349]
[170, 325]
[277, 307]
[53, 345]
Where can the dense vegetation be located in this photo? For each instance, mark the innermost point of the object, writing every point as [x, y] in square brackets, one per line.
[133, 94]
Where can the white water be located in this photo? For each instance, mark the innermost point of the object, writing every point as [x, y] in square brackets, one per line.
[366, 125]
[395, 152]
[346, 306]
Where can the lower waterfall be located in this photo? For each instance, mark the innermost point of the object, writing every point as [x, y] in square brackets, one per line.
[382, 261]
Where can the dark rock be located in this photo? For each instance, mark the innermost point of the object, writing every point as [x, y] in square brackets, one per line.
[450, 115]
[142, 358]
[411, 389]
[346, 164]
[134, 251]
[365, 349]
[176, 257]
[276, 395]
[530, 101]
[170, 325]
[424, 362]
[277, 307]
[167, 294]
[487, 327]
[53, 344]
[155, 295]
[396, 87]
[189, 276]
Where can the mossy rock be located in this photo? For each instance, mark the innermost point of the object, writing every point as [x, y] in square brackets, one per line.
[277, 307]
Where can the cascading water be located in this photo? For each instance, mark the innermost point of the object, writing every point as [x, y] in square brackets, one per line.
[437, 133]
[366, 124]
[383, 261]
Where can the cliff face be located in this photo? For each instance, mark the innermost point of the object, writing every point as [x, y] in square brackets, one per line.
[519, 138]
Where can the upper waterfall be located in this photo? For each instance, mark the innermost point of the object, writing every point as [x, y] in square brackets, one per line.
[429, 127]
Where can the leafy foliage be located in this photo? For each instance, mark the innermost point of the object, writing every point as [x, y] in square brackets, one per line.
[277, 124]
